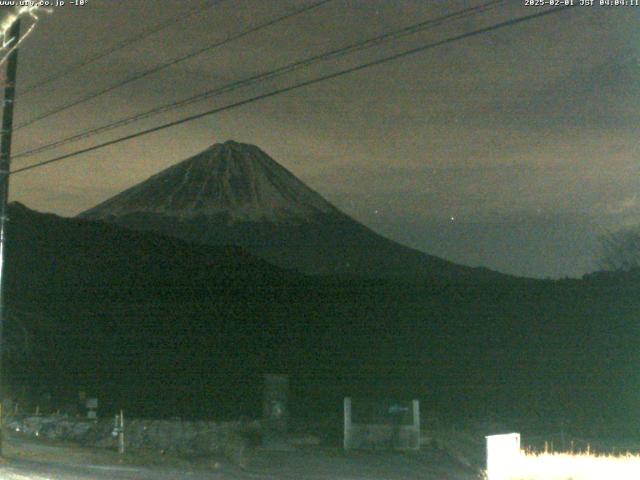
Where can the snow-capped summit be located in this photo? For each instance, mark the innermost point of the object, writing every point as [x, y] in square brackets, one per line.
[236, 180]
[235, 194]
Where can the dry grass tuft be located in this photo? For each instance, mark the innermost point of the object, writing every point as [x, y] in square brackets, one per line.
[567, 466]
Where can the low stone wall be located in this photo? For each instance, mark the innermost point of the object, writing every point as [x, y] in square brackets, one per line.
[54, 427]
[175, 436]
[383, 437]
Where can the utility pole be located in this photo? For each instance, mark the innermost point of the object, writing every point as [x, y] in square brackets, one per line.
[5, 165]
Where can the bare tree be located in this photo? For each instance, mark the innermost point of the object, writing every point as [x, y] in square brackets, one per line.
[620, 250]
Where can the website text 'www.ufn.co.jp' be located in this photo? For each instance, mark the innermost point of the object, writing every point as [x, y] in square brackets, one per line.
[41, 3]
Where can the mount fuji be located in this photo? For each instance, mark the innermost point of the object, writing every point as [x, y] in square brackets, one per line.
[236, 194]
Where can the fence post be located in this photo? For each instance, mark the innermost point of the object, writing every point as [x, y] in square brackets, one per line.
[275, 412]
[416, 423]
[121, 434]
[347, 423]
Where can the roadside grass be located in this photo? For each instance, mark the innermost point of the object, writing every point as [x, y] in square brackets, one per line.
[570, 466]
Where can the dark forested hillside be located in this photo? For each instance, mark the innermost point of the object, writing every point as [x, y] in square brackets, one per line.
[162, 327]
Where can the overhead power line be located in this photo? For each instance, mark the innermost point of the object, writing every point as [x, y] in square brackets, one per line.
[332, 54]
[299, 85]
[118, 46]
[166, 65]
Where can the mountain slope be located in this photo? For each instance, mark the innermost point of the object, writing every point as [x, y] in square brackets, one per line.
[51, 252]
[235, 193]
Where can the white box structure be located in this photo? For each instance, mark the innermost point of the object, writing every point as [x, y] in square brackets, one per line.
[503, 455]
[393, 434]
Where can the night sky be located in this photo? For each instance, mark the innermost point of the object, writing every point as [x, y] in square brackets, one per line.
[513, 150]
